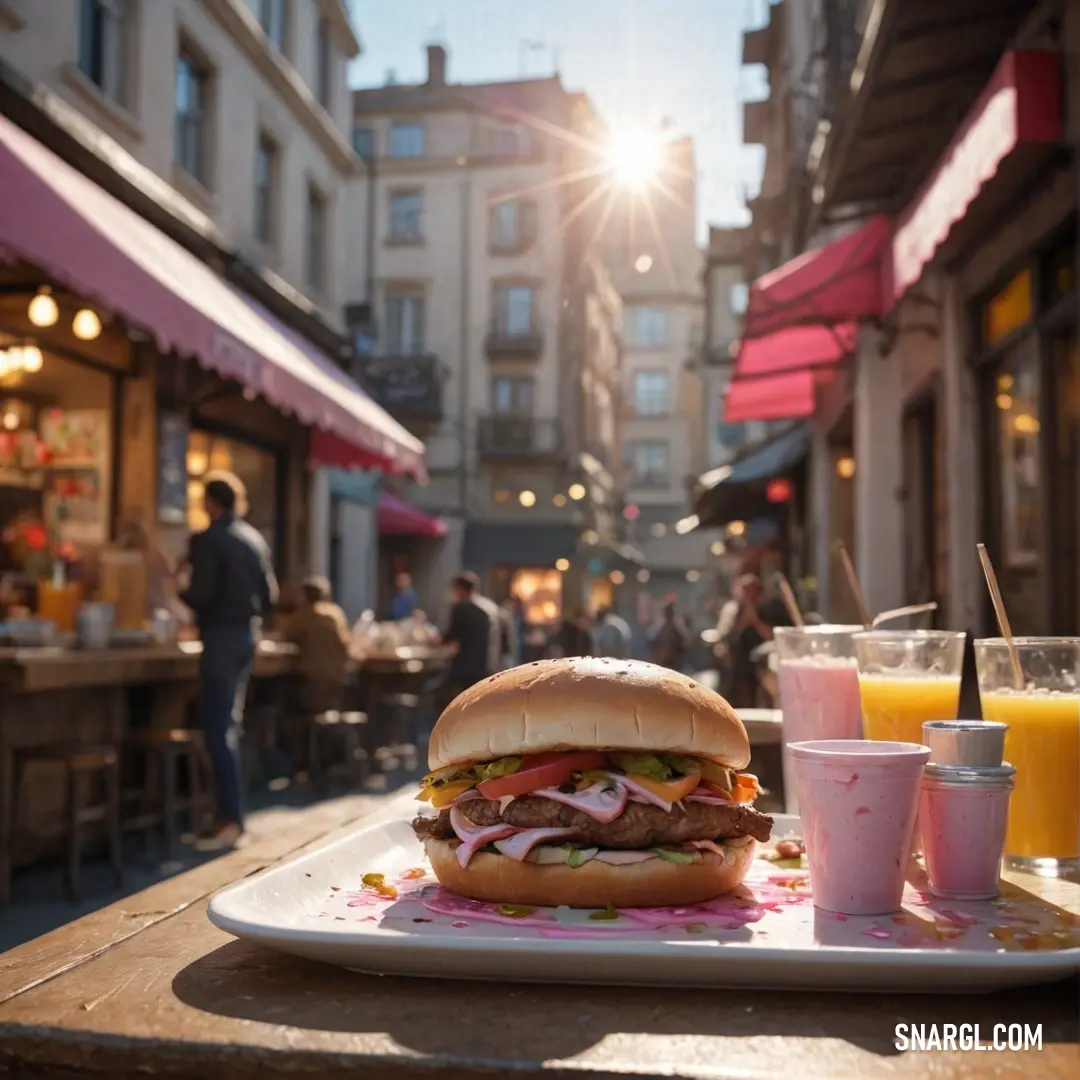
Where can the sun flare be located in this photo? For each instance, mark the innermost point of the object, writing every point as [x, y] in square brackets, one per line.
[634, 157]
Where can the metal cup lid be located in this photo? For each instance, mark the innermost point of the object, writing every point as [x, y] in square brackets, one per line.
[977, 743]
[974, 776]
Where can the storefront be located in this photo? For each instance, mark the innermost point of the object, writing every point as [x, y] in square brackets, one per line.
[129, 371]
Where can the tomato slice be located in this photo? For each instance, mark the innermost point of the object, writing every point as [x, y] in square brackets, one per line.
[541, 771]
[670, 790]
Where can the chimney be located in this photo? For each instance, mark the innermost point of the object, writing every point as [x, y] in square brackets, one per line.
[436, 65]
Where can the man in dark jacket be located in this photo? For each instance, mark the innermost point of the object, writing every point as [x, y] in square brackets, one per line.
[471, 629]
[232, 588]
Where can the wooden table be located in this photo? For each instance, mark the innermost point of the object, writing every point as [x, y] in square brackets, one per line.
[148, 987]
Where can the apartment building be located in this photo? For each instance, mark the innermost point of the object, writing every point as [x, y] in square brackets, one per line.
[494, 326]
[224, 123]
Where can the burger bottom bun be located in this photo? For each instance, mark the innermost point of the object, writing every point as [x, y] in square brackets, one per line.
[497, 879]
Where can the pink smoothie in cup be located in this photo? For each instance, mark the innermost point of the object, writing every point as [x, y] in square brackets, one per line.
[818, 680]
[858, 800]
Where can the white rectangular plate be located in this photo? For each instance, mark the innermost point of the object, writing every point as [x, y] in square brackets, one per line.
[768, 935]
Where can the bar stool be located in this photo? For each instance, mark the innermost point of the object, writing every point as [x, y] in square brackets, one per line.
[80, 765]
[400, 715]
[330, 730]
[164, 750]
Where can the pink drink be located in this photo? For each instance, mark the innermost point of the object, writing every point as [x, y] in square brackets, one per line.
[819, 697]
[963, 815]
[858, 801]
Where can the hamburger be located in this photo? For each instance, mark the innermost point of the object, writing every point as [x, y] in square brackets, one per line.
[590, 783]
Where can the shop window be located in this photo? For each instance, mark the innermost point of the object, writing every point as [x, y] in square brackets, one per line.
[257, 470]
[1016, 404]
[540, 592]
[1010, 310]
[104, 40]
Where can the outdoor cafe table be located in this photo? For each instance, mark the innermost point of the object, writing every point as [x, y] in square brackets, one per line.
[148, 987]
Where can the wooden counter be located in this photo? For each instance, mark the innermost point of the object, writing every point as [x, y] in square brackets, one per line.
[148, 987]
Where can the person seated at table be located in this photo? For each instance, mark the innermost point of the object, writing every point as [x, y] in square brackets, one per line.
[405, 600]
[320, 631]
[231, 590]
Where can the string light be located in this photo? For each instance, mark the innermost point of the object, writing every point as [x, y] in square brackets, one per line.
[86, 325]
[43, 310]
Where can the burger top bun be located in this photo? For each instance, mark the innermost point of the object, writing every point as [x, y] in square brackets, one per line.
[588, 704]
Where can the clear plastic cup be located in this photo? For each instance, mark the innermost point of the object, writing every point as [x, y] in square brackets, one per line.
[819, 690]
[1043, 742]
[907, 677]
[858, 801]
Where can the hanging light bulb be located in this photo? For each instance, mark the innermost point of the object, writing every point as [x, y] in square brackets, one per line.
[32, 358]
[86, 325]
[43, 310]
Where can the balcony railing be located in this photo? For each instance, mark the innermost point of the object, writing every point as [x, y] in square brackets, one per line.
[408, 387]
[520, 438]
[504, 340]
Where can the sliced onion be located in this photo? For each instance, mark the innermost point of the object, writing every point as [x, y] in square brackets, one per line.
[625, 858]
[643, 794]
[603, 801]
[474, 837]
[505, 801]
[467, 796]
[523, 841]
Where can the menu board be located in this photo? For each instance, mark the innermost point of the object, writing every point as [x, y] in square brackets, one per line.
[76, 449]
[172, 476]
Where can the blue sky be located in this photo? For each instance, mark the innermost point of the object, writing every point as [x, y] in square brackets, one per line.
[639, 60]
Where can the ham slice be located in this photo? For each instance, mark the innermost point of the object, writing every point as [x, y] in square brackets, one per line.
[523, 841]
[473, 837]
[603, 801]
[710, 799]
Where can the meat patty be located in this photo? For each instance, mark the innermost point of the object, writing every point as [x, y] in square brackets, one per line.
[639, 826]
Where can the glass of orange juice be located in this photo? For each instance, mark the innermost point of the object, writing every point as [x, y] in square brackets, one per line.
[1042, 709]
[907, 677]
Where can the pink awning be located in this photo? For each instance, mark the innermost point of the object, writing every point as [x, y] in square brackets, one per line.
[794, 349]
[789, 396]
[399, 518]
[54, 217]
[838, 282]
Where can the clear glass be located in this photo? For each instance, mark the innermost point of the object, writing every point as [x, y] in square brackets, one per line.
[819, 690]
[1043, 743]
[907, 677]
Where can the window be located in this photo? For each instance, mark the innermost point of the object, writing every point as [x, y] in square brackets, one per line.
[406, 217]
[650, 393]
[271, 16]
[1011, 309]
[739, 298]
[316, 237]
[406, 140]
[404, 324]
[363, 142]
[192, 93]
[510, 141]
[324, 64]
[513, 225]
[513, 310]
[266, 171]
[103, 46]
[648, 463]
[512, 397]
[648, 328]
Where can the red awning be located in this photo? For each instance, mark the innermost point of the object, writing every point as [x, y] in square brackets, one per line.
[794, 349]
[399, 518]
[838, 282]
[774, 397]
[53, 216]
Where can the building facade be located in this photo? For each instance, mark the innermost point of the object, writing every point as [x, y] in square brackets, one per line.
[478, 290]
